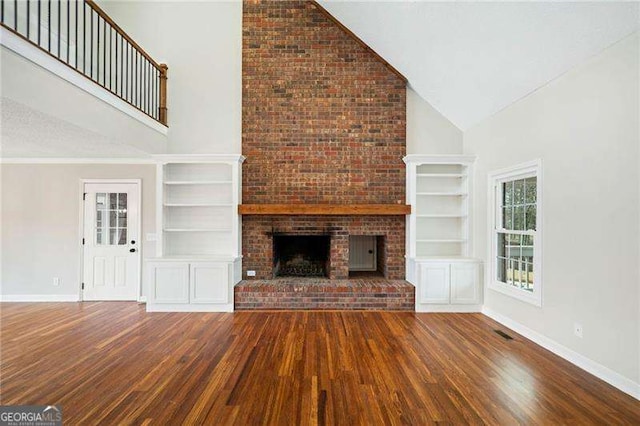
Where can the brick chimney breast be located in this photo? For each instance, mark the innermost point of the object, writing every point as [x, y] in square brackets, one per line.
[323, 122]
[323, 117]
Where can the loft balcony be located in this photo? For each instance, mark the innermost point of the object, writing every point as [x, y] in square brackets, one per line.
[77, 49]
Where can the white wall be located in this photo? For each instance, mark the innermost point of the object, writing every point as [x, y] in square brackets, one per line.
[201, 42]
[584, 127]
[428, 131]
[40, 216]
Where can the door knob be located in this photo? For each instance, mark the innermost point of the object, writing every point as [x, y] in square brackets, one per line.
[133, 241]
[132, 250]
[370, 251]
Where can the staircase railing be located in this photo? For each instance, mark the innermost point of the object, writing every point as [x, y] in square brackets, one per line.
[81, 35]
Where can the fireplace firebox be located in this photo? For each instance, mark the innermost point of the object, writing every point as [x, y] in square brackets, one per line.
[300, 255]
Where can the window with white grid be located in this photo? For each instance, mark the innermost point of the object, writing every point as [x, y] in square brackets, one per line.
[515, 232]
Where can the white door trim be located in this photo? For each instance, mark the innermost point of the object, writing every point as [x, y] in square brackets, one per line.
[138, 183]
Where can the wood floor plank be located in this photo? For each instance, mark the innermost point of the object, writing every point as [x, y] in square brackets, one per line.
[114, 363]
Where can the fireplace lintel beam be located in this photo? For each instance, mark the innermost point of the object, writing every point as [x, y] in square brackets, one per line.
[326, 209]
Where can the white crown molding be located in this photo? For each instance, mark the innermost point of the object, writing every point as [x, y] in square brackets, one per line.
[39, 298]
[91, 160]
[39, 57]
[617, 380]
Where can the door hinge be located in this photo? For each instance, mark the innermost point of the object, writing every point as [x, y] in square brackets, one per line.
[83, 241]
[83, 286]
[84, 196]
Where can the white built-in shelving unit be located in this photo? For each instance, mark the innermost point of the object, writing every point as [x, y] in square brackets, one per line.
[441, 207]
[439, 189]
[198, 232]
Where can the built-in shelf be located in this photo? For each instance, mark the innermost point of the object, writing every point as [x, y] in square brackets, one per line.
[439, 261]
[441, 175]
[197, 205]
[198, 182]
[439, 189]
[198, 251]
[442, 216]
[197, 230]
[443, 194]
[444, 240]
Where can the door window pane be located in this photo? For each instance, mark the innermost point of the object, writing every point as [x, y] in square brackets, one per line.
[101, 200]
[111, 219]
[122, 201]
[122, 236]
[113, 201]
[113, 240]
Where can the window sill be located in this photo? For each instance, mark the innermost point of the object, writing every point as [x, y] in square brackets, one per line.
[523, 295]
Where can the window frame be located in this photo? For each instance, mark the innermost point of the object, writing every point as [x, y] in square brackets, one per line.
[495, 181]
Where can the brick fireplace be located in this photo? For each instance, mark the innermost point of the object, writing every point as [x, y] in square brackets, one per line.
[324, 122]
[259, 231]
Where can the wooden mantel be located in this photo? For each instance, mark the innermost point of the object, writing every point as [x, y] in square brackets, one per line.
[325, 209]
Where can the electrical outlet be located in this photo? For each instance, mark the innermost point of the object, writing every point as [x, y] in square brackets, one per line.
[251, 273]
[56, 281]
[577, 329]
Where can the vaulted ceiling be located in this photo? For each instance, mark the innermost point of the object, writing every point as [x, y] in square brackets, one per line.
[470, 60]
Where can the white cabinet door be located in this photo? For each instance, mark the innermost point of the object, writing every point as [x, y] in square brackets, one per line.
[168, 282]
[434, 283]
[465, 283]
[209, 282]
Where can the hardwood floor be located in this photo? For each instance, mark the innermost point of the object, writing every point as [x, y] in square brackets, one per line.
[113, 363]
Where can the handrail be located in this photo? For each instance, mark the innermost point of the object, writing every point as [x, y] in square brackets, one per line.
[81, 35]
[116, 27]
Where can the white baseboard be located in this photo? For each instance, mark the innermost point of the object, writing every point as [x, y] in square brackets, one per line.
[617, 380]
[39, 298]
[421, 308]
[186, 307]
[142, 299]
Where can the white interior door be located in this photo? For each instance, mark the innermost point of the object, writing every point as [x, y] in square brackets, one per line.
[362, 253]
[111, 259]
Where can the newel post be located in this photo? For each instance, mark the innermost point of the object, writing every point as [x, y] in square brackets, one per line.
[163, 93]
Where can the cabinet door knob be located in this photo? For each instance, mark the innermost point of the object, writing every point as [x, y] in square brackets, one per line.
[132, 250]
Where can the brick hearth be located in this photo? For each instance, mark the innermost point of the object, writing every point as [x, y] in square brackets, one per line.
[324, 294]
